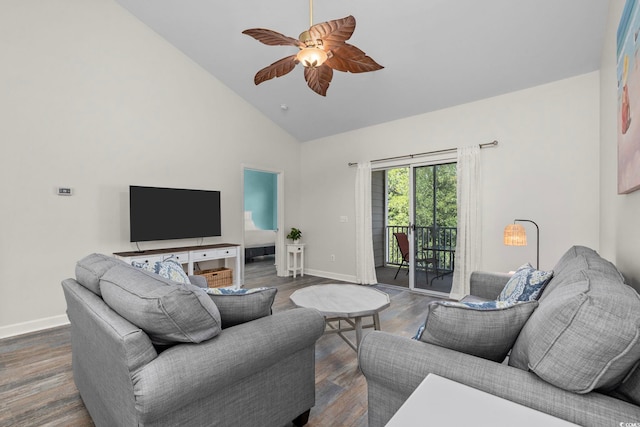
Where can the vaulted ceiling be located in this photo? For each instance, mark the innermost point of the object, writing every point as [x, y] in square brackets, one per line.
[436, 53]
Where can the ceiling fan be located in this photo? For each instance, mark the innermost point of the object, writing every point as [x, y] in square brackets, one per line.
[322, 50]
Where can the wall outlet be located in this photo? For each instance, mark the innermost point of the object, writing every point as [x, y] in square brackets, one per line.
[332, 257]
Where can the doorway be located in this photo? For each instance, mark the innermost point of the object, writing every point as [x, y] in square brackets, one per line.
[415, 234]
[262, 218]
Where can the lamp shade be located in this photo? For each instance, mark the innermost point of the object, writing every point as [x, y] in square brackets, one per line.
[515, 235]
[312, 57]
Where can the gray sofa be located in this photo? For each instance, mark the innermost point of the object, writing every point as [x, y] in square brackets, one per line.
[260, 372]
[576, 357]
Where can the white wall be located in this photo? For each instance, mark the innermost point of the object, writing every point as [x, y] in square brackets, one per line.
[546, 168]
[94, 100]
[620, 228]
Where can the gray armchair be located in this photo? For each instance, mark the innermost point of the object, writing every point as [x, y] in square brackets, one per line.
[576, 356]
[261, 372]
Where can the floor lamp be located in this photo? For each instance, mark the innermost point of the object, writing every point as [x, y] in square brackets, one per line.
[515, 235]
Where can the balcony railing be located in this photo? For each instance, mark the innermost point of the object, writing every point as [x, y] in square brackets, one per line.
[430, 242]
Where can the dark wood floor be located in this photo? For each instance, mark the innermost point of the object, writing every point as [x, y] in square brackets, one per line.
[37, 388]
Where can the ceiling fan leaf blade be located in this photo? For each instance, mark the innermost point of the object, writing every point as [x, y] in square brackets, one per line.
[271, 38]
[319, 78]
[277, 69]
[334, 32]
[348, 58]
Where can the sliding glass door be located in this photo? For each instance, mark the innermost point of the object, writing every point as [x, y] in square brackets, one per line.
[433, 226]
[420, 224]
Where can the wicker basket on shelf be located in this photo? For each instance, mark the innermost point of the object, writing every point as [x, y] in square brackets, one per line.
[217, 277]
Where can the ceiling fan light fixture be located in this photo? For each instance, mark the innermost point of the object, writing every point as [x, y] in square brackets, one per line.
[323, 49]
[312, 57]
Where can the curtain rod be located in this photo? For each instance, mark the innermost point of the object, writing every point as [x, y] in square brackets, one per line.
[411, 156]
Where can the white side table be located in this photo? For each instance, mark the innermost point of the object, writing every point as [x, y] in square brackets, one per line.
[439, 400]
[295, 259]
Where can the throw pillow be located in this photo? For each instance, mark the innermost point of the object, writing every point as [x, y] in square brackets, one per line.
[168, 312]
[630, 386]
[169, 269]
[525, 285]
[242, 305]
[90, 269]
[486, 329]
[586, 337]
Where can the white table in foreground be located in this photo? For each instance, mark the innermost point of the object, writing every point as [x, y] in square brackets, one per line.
[349, 303]
[439, 401]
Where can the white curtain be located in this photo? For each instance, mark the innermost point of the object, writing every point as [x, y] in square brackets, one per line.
[365, 265]
[468, 247]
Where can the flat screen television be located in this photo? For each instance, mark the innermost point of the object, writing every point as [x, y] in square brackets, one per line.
[172, 213]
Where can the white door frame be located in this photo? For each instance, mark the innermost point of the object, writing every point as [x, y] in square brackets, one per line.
[280, 260]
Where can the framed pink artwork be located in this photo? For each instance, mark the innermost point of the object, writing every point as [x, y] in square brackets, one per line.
[628, 72]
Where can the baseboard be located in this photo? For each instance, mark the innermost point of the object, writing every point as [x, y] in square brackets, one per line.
[52, 322]
[33, 326]
[330, 275]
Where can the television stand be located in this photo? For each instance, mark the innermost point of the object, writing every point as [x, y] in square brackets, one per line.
[190, 255]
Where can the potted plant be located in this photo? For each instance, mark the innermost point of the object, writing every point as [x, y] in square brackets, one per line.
[294, 235]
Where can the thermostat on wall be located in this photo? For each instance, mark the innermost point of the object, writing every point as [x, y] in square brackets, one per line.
[65, 191]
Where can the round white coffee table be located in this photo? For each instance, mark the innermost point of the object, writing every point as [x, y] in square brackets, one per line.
[349, 303]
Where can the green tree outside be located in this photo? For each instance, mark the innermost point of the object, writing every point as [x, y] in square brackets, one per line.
[398, 197]
[444, 212]
[445, 209]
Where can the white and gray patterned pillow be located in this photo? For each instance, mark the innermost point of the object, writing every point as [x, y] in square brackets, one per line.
[486, 329]
[169, 269]
[526, 284]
